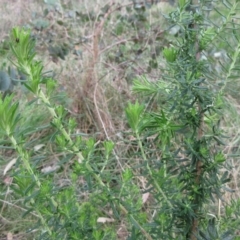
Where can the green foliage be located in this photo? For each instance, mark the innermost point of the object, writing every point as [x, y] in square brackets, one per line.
[133, 113]
[196, 158]
[174, 169]
[170, 54]
[9, 115]
[60, 211]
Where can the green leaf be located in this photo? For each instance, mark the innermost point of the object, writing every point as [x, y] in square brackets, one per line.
[72, 124]
[182, 3]
[170, 54]
[8, 112]
[133, 113]
[60, 140]
[127, 175]
[50, 86]
[108, 145]
[207, 37]
[143, 85]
